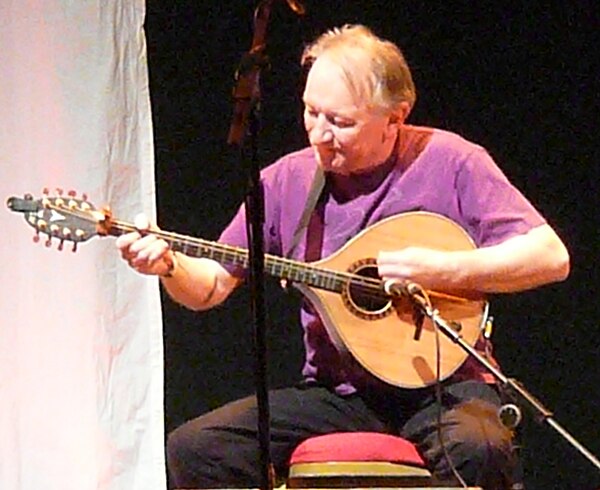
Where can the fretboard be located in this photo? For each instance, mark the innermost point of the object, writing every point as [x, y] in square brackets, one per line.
[228, 255]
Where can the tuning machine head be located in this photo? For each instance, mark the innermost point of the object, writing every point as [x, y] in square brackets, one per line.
[63, 217]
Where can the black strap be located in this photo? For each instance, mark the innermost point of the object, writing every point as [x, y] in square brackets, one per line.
[316, 188]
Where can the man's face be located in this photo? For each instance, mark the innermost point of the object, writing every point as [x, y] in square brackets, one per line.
[346, 136]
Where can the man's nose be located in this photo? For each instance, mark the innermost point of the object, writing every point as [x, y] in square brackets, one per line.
[321, 131]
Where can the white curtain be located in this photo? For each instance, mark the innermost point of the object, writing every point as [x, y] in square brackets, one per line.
[81, 373]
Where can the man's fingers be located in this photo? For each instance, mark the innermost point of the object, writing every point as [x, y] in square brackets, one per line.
[141, 249]
[158, 251]
[125, 241]
[141, 222]
[149, 249]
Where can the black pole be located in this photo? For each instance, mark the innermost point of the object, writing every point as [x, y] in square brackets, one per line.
[246, 122]
[254, 221]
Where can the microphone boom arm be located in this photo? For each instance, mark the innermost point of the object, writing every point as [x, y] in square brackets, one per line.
[420, 298]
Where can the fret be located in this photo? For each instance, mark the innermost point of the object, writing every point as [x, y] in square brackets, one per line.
[301, 274]
[318, 279]
[276, 267]
[207, 252]
[284, 272]
[329, 281]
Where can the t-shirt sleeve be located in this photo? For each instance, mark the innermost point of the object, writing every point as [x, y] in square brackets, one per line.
[493, 208]
[235, 234]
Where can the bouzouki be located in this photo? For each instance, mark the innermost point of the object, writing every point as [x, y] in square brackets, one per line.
[381, 331]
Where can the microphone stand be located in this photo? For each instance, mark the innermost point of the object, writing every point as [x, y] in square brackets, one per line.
[246, 122]
[421, 300]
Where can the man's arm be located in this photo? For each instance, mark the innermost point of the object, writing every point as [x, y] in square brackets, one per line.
[522, 262]
[197, 283]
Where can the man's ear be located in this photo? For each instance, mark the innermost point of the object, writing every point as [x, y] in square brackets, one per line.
[400, 113]
[397, 118]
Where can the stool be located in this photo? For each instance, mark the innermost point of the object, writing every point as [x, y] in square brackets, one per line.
[357, 459]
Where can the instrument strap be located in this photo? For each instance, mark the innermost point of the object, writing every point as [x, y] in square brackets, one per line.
[314, 194]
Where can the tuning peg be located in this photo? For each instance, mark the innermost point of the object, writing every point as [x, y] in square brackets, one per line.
[60, 245]
[48, 242]
[84, 196]
[59, 191]
[36, 237]
[71, 193]
[74, 247]
[46, 191]
[28, 197]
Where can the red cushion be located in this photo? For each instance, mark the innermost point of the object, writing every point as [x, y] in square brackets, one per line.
[357, 446]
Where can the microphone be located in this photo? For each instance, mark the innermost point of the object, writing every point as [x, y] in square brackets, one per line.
[296, 6]
[510, 415]
[401, 287]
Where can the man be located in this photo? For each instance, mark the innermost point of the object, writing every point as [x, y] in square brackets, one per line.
[358, 94]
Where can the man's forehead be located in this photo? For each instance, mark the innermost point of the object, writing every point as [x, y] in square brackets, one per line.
[328, 88]
[333, 107]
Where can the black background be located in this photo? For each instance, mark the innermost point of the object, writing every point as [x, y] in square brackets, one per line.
[520, 80]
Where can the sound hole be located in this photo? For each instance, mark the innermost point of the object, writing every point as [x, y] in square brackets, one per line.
[366, 296]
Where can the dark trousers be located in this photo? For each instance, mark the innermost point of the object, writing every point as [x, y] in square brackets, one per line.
[220, 449]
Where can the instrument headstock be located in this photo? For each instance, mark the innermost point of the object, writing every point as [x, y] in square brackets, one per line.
[63, 218]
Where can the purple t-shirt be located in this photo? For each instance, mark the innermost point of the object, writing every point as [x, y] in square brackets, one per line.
[430, 170]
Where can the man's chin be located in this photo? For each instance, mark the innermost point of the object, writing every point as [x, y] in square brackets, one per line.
[334, 166]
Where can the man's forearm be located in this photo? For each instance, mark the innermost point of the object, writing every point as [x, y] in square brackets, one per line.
[198, 284]
[523, 262]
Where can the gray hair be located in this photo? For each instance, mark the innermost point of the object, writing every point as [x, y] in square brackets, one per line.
[374, 68]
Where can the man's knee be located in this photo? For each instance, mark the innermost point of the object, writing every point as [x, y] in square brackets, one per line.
[476, 424]
[177, 444]
[181, 452]
[479, 446]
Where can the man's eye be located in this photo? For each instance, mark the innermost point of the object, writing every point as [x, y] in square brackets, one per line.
[342, 123]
